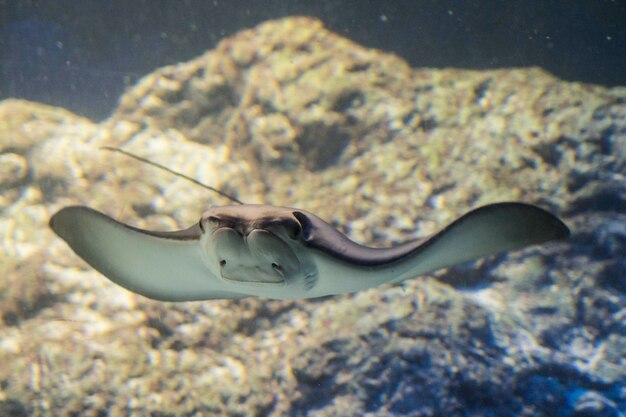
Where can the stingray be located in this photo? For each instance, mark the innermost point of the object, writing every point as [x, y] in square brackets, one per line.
[284, 253]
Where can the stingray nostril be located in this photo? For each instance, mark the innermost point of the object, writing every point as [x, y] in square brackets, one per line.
[223, 263]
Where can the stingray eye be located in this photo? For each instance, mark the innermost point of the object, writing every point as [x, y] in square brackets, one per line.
[209, 223]
[201, 225]
[293, 229]
[223, 263]
[277, 267]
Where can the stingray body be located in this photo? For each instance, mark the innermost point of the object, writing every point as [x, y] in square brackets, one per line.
[284, 253]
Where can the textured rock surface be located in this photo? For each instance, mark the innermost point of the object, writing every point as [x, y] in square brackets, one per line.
[291, 114]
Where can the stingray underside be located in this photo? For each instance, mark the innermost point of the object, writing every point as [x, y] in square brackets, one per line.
[164, 266]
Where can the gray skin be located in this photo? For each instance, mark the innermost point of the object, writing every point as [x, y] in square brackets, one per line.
[284, 253]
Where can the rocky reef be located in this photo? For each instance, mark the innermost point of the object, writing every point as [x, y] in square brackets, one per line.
[291, 114]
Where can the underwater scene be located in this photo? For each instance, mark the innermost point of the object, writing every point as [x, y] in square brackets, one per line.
[299, 218]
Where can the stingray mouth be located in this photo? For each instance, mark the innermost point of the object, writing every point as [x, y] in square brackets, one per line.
[241, 280]
[252, 275]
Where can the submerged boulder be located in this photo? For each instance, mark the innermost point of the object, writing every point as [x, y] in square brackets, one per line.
[289, 113]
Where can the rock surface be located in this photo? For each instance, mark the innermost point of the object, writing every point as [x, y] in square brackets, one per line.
[291, 114]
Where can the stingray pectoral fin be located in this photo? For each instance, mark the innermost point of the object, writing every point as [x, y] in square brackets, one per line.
[163, 266]
[485, 231]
